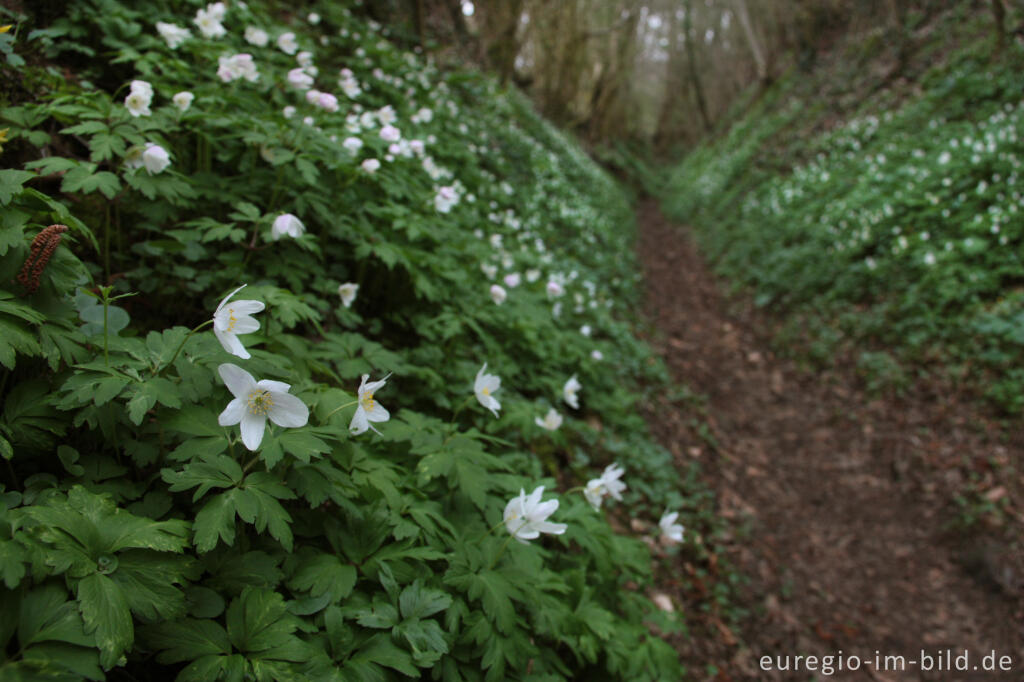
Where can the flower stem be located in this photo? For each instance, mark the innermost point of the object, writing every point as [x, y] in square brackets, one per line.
[339, 408]
[106, 308]
[501, 551]
[182, 345]
[460, 408]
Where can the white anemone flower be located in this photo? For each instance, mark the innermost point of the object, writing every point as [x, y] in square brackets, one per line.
[370, 165]
[551, 421]
[670, 530]
[137, 103]
[209, 20]
[174, 35]
[352, 144]
[594, 492]
[348, 291]
[257, 401]
[527, 517]
[484, 388]
[234, 318]
[298, 78]
[155, 158]
[498, 294]
[286, 43]
[610, 480]
[572, 386]
[287, 224]
[368, 410]
[256, 36]
[607, 484]
[183, 100]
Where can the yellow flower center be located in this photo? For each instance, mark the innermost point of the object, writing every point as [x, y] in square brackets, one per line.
[367, 402]
[231, 319]
[485, 391]
[259, 402]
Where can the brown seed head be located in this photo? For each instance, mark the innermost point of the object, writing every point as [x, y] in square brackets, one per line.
[40, 252]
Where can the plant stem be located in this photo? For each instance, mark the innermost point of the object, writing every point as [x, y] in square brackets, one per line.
[106, 308]
[106, 247]
[340, 407]
[501, 551]
[182, 345]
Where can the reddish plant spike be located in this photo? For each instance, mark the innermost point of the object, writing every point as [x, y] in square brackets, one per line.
[40, 252]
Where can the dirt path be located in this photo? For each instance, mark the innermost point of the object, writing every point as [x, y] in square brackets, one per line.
[846, 498]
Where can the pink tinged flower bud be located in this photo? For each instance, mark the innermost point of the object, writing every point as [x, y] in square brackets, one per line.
[287, 224]
[389, 133]
[327, 101]
[298, 78]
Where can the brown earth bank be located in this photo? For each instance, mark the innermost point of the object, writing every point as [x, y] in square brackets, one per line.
[841, 502]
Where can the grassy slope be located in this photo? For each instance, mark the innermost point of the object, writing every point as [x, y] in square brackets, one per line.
[884, 214]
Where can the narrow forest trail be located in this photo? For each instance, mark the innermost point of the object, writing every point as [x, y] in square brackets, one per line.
[846, 497]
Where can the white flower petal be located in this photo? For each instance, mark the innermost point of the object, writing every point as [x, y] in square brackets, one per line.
[359, 423]
[552, 528]
[274, 386]
[253, 426]
[238, 381]
[288, 410]
[248, 307]
[377, 413]
[228, 297]
[232, 414]
[231, 344]
[245, 325]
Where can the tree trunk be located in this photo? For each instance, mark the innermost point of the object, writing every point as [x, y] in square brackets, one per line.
[752, 40]
[999, 14]
[691, 61]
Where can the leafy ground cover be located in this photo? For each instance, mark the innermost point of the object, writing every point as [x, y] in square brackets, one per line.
[262, 271]
[887, 224]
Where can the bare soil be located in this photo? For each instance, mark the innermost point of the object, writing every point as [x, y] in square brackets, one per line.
[842, 502]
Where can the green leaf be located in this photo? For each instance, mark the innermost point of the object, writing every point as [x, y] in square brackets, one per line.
[302, 444]
[105, 612]
[260, 625]
[86, 180]
[216, 520]
[425, 638]
[219, 471]
[187, 640]
[52, 164]
[11, 182]
[48, 616]
[324, 573]
[12, 563]
[195, 421]
[381, 650]
[148, 580]
[417, 601]
[381, 615]
[492, 589]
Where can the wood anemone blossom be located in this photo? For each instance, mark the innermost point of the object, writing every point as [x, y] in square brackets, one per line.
[40, 252]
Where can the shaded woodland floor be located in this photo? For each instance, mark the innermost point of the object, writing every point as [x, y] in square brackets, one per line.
[850, 541]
